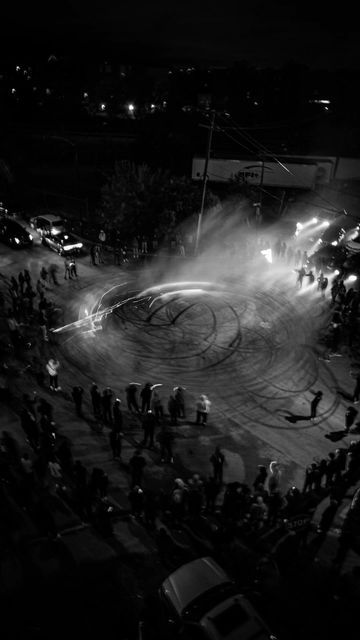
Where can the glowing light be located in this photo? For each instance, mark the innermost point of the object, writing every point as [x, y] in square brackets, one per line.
[314, 221]
[30, 236]
[326, 223]
[17, 240]
[131, 107]
[352, 278]
[299, 226]
[334, 244]
[102, 106]
[336, 272]
[267, 253]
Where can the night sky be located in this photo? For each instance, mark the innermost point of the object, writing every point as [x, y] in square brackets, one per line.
[264, 33]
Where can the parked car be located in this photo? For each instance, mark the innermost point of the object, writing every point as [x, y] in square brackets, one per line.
[47, 224]
[202, 602]
[63, 243]
[14, 234]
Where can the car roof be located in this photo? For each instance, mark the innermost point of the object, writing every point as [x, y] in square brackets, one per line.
[13, 223]
[50, 217]
[192, 580]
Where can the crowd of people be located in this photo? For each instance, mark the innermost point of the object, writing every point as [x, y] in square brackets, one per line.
[48, 465]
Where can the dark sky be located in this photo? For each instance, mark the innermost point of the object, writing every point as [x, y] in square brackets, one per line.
[262, 32]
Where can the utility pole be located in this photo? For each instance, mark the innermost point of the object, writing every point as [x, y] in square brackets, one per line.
[205, 178]
[258, 205]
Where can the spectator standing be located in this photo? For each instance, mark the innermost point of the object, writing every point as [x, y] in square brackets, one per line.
[179, 395]
[137, 464]
[172, 409]
[261, 477]
[52, 368]
[73, 269]
[274, 477]
[117, 416]
[149, 424]
[43, 326]
[131, 397]
[314, 404]
[202, 409]
[115, 443]
[145, 395]
[77, 394]
[21, 280]
[53, 269]
[95, 399]
[356, 392]
[67, 273]
[350, 416]
[93, 254]
[157, 406]
[165, 439]
[217, 460]
[102, 241]
[106, 405]
[135, 247]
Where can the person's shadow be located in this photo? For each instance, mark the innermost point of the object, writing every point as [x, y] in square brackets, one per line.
[335, 436]
[293, 417]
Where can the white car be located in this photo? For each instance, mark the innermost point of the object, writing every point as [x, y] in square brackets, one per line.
[47, 224]
[63, 243]
[204, 603]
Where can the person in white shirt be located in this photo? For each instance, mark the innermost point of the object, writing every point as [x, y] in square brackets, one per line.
[202, 409]
[52, 368]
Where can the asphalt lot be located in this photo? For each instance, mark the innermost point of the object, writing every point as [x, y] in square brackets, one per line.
[253, 348]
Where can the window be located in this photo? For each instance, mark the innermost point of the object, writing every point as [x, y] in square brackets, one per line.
[231, 618]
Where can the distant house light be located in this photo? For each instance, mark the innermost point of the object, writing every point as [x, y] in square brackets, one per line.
[18, 67]
[102, 106]
[85, 95]
[48, 91]
[131, 107]
[13, 90]
[319, 101]
[152, 106]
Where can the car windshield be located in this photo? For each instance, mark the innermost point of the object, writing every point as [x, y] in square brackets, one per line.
[65, 238]
[14, 227]
[208, 600]
[231, 618]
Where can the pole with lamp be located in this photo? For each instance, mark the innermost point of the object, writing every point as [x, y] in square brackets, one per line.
[258, 204]
[205, 178]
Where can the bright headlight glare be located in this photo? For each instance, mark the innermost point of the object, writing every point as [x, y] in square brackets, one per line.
[30, 236]
[17, 240]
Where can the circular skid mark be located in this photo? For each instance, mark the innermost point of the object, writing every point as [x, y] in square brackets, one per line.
[254, 342]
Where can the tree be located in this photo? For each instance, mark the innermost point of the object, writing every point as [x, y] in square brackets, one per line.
[139, 199]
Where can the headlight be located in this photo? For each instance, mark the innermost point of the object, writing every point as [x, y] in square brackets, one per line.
[17, 240]
[30, 236]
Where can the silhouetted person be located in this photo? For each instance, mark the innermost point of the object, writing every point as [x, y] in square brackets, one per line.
[96, 400]
[77, 394]
[137, 464]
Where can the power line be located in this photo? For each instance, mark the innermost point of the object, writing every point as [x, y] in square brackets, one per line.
[262, 149]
